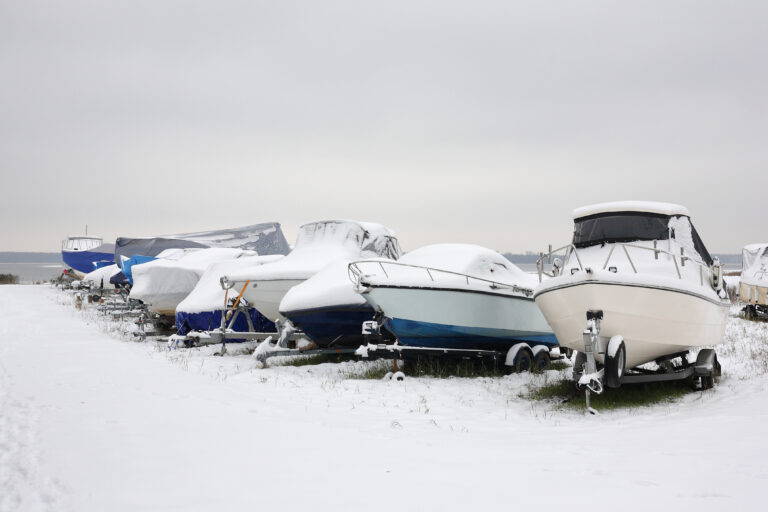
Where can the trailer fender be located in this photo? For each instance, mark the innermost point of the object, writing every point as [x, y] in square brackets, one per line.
[512, 353]
[707, 364]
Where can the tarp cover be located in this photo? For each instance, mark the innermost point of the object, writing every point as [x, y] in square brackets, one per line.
[322, 243]
[265, 238]
[164, 282]
[755, 265]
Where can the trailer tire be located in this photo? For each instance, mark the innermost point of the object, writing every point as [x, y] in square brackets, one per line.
[615, 362]
[541, 362]
[523, 361]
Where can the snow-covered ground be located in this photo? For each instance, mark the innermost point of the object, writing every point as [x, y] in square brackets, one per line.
[89, 422]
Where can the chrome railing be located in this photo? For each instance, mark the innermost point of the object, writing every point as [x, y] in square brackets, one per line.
[356, 275]
[570, 250]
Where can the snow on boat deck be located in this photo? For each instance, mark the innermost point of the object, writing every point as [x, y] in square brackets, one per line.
[92, 423]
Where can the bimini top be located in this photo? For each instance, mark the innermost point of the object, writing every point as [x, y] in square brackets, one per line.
[652, 207]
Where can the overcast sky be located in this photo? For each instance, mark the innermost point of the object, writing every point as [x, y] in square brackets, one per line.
[477, 121]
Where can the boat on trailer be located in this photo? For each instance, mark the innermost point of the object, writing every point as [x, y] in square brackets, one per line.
[636, 285]
[328, 310]
[164, 282]
[318, 245]
[84, 254]
[458, 297]
[753, 284]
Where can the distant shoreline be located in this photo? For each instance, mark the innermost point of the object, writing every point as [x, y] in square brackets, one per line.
[30, 257]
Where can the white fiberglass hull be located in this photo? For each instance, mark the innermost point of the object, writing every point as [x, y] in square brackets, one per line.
[458, 318]
[266, 295]
[654, 321]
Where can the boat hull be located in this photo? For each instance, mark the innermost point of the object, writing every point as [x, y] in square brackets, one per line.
[654, 321]
[85, 262]
[333, 326]
[209, 320]
[265, 295]
[460, 319]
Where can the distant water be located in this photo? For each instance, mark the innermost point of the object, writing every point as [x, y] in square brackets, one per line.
[31, 272]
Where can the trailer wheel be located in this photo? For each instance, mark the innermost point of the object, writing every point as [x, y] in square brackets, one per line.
[523, 361]
[615, 362]
[707, 382]
[541, 361]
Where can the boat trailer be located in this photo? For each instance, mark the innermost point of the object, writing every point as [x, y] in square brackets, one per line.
[521, 357]
[613, 373]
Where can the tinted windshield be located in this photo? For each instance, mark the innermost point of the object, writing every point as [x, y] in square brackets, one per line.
[619, 227]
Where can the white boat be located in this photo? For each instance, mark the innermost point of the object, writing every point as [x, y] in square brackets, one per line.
[753, 284]
[205, 305]
[643, 277]
[318, 245]
[454, 296]
[164, 282]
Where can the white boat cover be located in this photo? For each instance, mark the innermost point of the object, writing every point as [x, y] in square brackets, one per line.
[754, 264]
[322, 243]
[459, 259]
[100, 277]
[162, 283]
[208, 295]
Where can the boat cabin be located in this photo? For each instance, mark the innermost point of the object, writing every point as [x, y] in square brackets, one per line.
[632, 221]
[81, 243]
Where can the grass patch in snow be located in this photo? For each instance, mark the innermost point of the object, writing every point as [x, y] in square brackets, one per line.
[442, 368]
[299, 360]
[564, 393]
[8, 279]
[373, 370]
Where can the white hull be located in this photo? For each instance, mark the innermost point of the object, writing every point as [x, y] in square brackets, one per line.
[459, 308]
[654, 321]
[266, 295]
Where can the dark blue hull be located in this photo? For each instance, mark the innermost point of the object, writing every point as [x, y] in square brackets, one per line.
[87, 261]
[209, 320]
[425, 334]
[334, 326]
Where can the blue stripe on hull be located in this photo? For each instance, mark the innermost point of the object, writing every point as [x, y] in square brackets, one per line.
[208, 320]
[86, 261]
[425, 334]
[332, 326]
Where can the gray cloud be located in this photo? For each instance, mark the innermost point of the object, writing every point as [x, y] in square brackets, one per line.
[484, 122]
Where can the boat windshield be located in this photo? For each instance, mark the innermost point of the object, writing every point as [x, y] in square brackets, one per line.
[618, 227]
[81, 243]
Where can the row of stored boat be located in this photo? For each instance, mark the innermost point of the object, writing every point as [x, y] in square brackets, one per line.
[636, 284]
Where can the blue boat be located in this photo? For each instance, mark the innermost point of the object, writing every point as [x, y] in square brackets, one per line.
[84, 254]
[328, 310]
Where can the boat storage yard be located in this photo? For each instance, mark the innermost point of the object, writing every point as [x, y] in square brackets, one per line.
[92, 420]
